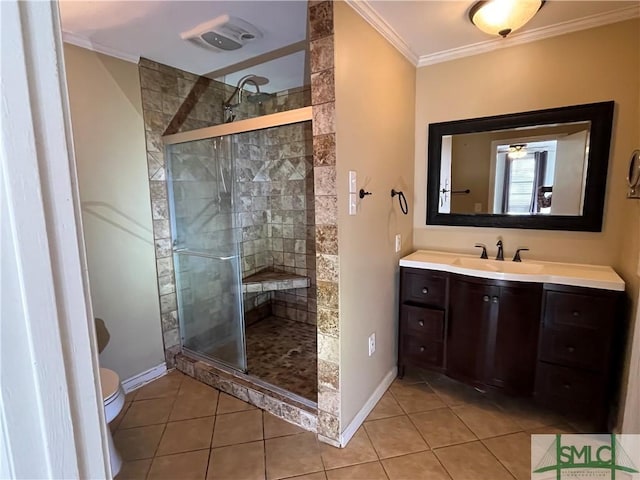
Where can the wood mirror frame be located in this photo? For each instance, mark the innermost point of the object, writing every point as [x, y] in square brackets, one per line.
[601, 117]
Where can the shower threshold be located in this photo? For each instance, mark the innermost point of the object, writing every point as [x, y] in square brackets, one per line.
[268, 281]
[277, 401]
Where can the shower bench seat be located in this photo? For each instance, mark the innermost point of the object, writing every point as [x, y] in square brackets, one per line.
[267, 281]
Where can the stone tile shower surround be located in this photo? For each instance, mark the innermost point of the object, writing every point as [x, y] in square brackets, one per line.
[180, 101]
[273, 170]
[162, 92]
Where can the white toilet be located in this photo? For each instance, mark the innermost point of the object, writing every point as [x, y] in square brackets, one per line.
[113, 398]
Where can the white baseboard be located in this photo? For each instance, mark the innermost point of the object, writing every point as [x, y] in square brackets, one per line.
[145, 377]
[375, 397]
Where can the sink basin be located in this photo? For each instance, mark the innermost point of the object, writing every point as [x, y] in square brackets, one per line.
[519, 267]
[498, 266]
[477, 264]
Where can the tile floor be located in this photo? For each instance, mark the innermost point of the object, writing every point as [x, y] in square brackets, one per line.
[283, 353]
[424, 427]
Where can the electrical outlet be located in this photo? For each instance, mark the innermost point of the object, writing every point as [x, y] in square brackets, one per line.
[398, 242]
[372, 343]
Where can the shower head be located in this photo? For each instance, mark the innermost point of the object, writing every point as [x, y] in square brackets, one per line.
[255, 98]
[256, 81]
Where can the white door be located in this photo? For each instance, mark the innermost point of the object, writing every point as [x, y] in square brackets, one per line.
[444, 201]
[569, 177]
[51, 409]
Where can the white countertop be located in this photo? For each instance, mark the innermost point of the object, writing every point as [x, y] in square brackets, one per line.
[578, 275]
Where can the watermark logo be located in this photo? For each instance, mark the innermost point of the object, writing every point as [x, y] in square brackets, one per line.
[574, 457]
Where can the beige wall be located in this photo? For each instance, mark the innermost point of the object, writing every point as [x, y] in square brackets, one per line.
[583, 67]
[375, 88]
[470, 168]
[588, 66]
[108, 133]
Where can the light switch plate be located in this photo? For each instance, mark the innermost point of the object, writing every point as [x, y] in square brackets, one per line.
[353, 204]
[353, 182]
[398, 242]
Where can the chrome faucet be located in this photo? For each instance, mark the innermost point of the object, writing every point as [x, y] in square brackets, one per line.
[500, 254]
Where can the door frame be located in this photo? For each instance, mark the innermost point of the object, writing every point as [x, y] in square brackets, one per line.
[52, 421]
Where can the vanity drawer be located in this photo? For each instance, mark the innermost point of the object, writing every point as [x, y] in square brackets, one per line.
[422, 323]
[575, 348]
[424, 287]
[563, 309]
[421, 352]
[570, 389]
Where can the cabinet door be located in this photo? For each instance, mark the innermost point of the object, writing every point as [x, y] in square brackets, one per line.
[469, 313]
[512, 338]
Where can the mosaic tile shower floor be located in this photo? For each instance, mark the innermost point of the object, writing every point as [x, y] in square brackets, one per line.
[283, 353]
[425, 427]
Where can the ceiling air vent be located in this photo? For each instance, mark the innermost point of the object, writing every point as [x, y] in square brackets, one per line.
[223, 33]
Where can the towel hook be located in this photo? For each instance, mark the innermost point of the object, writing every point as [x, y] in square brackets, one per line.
[363, 193]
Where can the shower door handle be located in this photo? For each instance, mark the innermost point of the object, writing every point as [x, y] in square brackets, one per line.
[203, 254]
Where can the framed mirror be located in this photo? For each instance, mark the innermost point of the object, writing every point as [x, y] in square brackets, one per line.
[544, 169]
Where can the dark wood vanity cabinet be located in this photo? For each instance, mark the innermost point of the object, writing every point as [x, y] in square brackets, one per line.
[579, 339]
[492, 332]
[423, 297]
[553, 342]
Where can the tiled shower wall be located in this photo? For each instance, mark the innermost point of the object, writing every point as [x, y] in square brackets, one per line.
[274, 168]
[273, 178]
[324, 158]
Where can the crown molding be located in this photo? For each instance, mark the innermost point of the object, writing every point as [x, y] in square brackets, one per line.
[84, 42]
[584, 23]
[373, 18]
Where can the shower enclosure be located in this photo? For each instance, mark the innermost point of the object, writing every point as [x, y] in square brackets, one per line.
[242, 218]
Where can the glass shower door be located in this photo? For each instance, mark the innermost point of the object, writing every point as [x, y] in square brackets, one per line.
[206, 250]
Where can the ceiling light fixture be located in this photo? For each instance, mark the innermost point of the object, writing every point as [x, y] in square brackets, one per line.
[501, 17]
[517, 151]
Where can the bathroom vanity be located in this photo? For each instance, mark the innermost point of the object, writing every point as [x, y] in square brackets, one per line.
[542, 329]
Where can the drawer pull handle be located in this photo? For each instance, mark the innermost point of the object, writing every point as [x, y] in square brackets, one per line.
[422, 349]
[425, 290]
[485, 298]
[576, 313]
[495, 299]
[571, 349]
[421, 323]
[567, 386]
